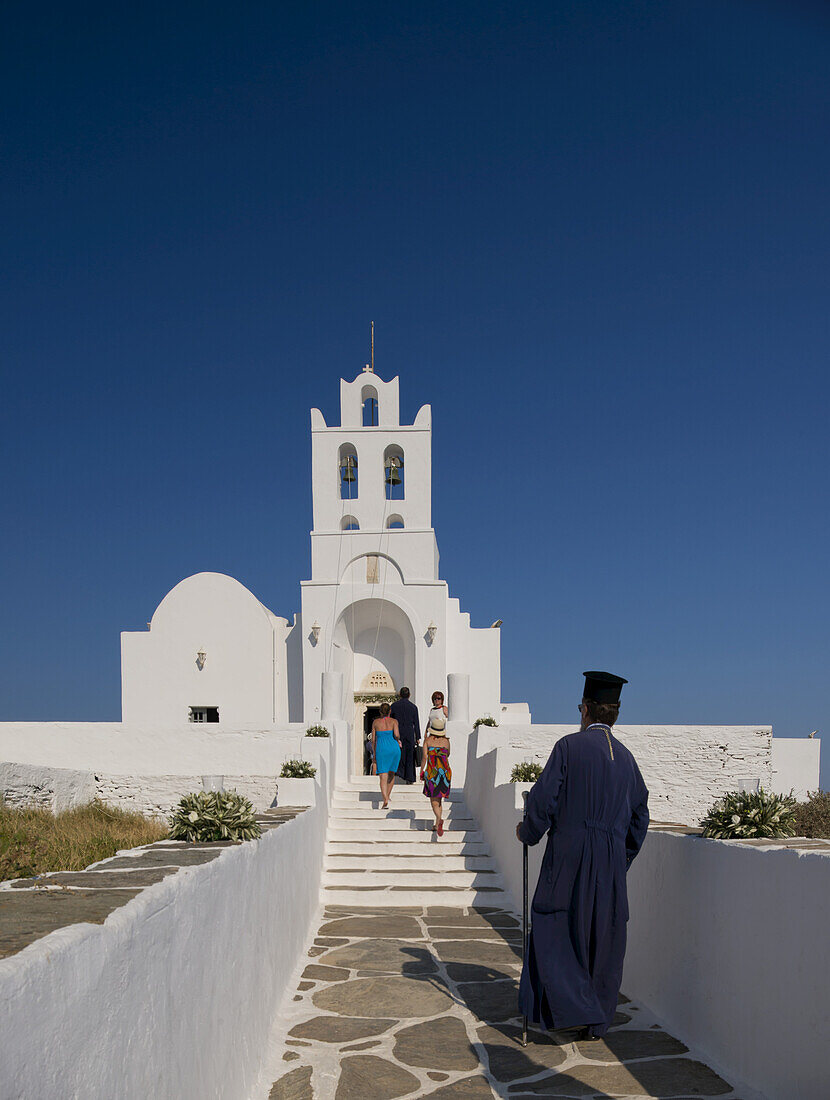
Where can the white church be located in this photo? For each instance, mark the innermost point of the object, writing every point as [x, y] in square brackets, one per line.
[375, 609]
[219, 683]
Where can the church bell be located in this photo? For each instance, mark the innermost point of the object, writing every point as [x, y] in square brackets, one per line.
[347, 470]
[393, 465]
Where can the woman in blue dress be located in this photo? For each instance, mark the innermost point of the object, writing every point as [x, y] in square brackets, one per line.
[387, 741]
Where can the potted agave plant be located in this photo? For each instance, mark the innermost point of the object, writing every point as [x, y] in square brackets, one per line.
[749, 815]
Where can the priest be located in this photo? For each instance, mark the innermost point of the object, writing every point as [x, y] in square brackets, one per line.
[593, 804]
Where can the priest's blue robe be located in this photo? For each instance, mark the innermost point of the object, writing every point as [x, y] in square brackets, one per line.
[593, 804]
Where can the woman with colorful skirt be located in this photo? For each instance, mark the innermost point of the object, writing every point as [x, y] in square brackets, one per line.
[436, 772]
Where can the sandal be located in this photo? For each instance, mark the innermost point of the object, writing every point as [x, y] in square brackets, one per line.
[439, 828]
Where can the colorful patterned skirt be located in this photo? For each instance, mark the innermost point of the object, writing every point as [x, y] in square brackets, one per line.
[437, 773]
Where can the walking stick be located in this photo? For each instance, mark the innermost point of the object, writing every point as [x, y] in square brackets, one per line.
[524, 911]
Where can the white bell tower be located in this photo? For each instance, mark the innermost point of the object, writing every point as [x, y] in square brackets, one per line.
[373, 475]
[375, 610]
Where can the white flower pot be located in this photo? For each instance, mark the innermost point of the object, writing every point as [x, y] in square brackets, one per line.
[295, 792]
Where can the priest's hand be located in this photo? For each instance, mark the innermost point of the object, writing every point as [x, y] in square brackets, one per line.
[519, 832]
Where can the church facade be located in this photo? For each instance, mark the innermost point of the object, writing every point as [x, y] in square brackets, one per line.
[374, 616]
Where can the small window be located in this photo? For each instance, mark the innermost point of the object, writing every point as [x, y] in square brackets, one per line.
[349, 523]
[204, 714]
[395, 523]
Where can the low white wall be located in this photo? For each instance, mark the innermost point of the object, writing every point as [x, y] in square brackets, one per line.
[152, 795]
[497, 806]
[190, 749]
[727, 942]
[175, 994]
[795, 765]
[686, 768]
[728, 945]
[50, 788]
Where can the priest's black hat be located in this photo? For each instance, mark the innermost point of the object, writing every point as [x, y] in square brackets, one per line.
[602, 687]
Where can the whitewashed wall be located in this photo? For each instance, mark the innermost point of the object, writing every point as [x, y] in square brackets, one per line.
[728, 945]
[686, 768]
[119, 749]
[53, 789]
[64, 764]
[174, 995]
[795, 765]
[245, 672]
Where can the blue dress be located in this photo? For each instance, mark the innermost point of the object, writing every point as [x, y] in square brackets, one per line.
[387, 752]
[592, 802]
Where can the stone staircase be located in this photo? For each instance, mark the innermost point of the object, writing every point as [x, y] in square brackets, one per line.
[378, 857]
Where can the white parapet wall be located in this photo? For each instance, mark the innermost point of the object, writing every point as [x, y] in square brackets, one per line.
[728, 945]
[190, 749]
[727, 942]
[175, 993]
[63, 764]
[686, 768]
[795, 765]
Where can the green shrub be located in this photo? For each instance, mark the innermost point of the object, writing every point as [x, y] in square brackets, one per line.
[526, 772]
[487, 720]
[812, 818]
[298, 769]
[214, 815]
[744, 815]
[33, 840]
[316, 731]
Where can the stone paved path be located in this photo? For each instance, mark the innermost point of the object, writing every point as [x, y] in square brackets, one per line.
[421, 1001]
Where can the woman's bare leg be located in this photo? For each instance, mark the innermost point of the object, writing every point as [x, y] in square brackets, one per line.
[436, 808]
[382, 778]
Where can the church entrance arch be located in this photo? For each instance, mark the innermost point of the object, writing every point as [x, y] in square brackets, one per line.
[374, 647]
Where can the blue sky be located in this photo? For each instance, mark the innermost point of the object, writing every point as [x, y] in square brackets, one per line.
[593, 235]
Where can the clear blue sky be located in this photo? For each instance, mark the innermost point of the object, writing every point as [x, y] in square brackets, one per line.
[594, 235]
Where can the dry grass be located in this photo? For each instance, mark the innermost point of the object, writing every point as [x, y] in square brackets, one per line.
[812, 818]
[34, 840]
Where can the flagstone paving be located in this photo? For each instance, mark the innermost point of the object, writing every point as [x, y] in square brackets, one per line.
[422, 1001]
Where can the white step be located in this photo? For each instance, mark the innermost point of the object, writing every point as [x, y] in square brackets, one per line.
[401, 824]
[391, 896]
[436, 860]
[380, 848]
[374, 877]
[398, 809]
[413, 836]
[457, 814]
[407, 798]
[371, 784]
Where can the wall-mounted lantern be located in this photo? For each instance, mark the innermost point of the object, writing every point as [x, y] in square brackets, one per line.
[315, 633]
[201, 658]
[432, 630]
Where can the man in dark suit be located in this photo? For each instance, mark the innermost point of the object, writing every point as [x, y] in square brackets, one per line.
[406, 714]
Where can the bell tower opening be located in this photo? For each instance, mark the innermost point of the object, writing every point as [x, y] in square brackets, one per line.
[369, 405]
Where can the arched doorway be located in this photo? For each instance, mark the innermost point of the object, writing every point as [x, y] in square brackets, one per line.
[374, 648]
